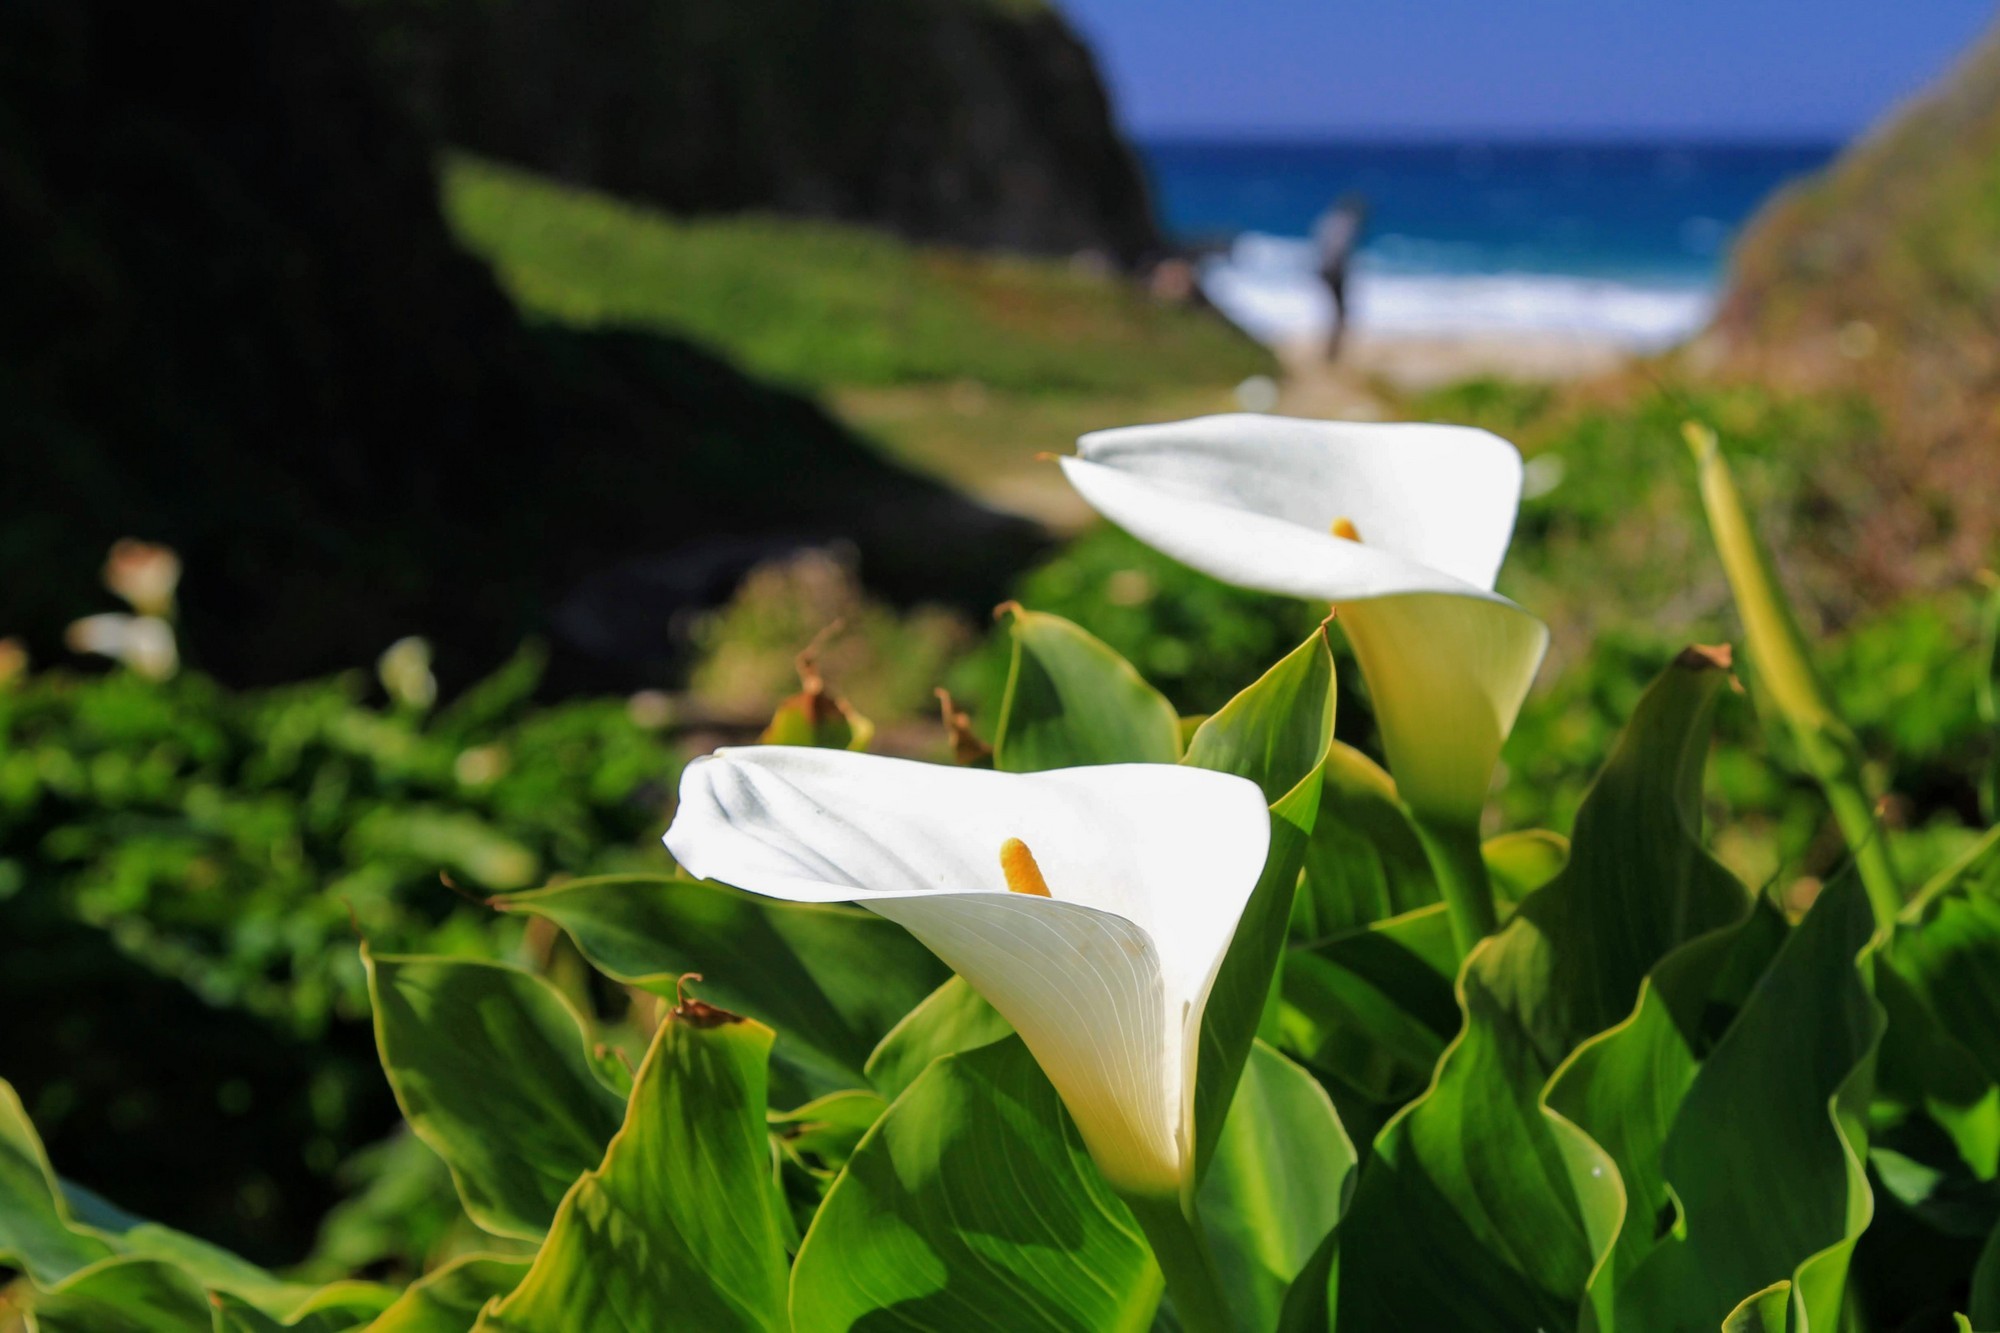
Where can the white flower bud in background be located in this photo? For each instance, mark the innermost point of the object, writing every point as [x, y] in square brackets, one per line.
[13, 661]
[405, 672]
[143, 644]
[144, 574]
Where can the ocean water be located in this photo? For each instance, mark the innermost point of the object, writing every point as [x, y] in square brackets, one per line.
[1624, 242]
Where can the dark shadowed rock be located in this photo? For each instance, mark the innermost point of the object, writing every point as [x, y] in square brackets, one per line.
[234, 323]
[974, 122]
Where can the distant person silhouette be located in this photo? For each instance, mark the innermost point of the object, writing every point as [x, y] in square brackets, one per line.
[1337, 234]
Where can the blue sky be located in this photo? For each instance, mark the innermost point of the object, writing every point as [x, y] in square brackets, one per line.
[1715, 68]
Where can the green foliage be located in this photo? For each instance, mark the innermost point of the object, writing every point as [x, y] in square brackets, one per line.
[232, 839]
[493, 1070]
[822, 304]
[680, 1225]
[1071, 700]
[972, 1201]
[1651, 1098]
[831, 979]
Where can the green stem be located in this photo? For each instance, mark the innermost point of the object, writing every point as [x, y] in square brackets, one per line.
[1782, 662]
[1182, 1252]
[1837, 766]
[1453, 848]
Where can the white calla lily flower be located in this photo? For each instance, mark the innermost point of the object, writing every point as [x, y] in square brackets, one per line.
[1402, 527]
[1090, 906]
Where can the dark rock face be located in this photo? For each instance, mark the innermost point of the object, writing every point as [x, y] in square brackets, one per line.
[234, 323]
[972, 122]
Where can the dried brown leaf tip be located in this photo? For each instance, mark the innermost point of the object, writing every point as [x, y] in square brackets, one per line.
[698, 1013]
[966, 747]
[1707, 657]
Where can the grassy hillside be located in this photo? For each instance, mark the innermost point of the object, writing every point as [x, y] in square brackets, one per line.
[1883, 275]
[965, 365]
[821, 304]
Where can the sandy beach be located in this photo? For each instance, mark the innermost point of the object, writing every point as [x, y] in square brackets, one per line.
[1351, 386]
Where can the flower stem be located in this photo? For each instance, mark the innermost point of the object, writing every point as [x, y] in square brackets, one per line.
[1453, 849]
[1183, 1255]
[1782, 663]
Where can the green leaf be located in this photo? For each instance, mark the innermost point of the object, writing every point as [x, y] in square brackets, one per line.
[1984, 1311]
[1624, 1087]
[952, 1018]
[831, 979]
[1421, 1246]
[1768, 1311]
[41, 1232]
[828, 1128]
[1280, 1178]
[1364, 863]
[1948, 951]
[1638, 882]
[1275, 733]
[125, 1296]
[1072, 701]
[680, 1227]
[1518, 863]
[449, 1300]
[1374, 1009]
[37, 1233]
[972, 1204]
[1764, 1158]
[1424, 1245]
[492, 1069]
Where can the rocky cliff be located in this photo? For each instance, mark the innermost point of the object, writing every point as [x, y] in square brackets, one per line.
[235, 323]
[971, 122]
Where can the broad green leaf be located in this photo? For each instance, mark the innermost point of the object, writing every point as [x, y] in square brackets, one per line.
[1275, 733]
[1984, 1311]
[1364, 862]
[1425, 1244]
[1373, 1009]
[41, 1230]
[1519, 863]
[1072, 701]
[1277, 1185]
[125, 1296]
[449, 1300]
[1936, 1118]
[1764, 1158]
[831, 979]
[37, 1233]
[1480, 1209]
[492, 1069]
[1927, 1081]
[680, 1227]
[972, 1204]
[1769, 1311]
[1948, 951]
[952, 1018]
[1624, 1087]
[829, 1127]
[1638, 882]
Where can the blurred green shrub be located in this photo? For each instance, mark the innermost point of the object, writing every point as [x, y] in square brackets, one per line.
[161, 840]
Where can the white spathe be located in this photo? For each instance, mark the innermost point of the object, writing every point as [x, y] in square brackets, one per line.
[1148, 867]
[1252, 500]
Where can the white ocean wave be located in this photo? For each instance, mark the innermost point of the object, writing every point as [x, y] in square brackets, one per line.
[1269, 286]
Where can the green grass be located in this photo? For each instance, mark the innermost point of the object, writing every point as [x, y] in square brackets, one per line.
[821, 305]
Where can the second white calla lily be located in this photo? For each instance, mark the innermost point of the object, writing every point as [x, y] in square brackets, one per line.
[1402, 527]
[1090, 906]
